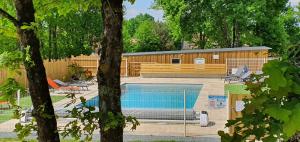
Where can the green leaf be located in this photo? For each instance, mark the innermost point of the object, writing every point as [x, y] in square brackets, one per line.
[131, 1]
[278, 113]
[293, 125]
[275, 71]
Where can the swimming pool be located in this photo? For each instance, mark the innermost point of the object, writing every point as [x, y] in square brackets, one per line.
[146, 100]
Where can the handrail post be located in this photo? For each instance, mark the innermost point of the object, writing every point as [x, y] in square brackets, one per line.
[18, 97]
[184, 112]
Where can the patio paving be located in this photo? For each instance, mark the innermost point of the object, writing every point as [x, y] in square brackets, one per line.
[211, 86]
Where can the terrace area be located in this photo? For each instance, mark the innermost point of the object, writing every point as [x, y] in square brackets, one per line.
[213, 96]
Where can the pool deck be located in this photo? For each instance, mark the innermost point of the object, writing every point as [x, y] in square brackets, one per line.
[211, 86]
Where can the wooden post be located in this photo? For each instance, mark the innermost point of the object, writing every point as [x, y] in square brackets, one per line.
[18, 97]
[126, 67]
[226, 66]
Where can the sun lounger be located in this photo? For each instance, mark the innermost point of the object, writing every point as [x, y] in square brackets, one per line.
[237, 75]
[245, 77]
[83, 86]
[91, 82]
[4, 105]
[63, 89]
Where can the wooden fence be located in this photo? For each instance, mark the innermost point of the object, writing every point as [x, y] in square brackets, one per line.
[91, 63]
[87, 62]
[56, 70]
[233, 101]
[183, 70]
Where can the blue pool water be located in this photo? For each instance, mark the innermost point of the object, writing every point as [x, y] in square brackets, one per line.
[156, 96]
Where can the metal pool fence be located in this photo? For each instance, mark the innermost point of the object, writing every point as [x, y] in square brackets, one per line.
[172, 104]
[172, 112]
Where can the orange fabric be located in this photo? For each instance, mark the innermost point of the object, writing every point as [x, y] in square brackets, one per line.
[3, 102]
[52, 84]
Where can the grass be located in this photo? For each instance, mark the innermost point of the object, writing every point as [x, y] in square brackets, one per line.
[25, 103]
[236, 89]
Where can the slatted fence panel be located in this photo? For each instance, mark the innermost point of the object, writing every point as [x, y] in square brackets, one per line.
[183, 70]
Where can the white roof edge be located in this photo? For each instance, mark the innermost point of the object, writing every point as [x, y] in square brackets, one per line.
[200, 51]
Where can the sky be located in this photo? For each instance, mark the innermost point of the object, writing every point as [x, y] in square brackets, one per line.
[144, 6]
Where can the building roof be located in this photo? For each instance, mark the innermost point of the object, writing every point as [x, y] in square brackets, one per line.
[257, 48]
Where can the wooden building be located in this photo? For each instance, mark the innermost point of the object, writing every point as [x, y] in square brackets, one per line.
[253, 57]
[210, 56]
[191, 63]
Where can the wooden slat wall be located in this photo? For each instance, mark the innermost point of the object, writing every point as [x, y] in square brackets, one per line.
[87, 62]
[91, 63]
[183, 70]
[55, 70]
[188, 58]
[131, 65]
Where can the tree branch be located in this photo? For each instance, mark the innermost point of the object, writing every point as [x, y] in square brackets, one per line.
[9, 17]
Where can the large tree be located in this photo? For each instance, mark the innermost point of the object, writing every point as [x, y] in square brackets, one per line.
[73, 33]
[142, 33]
[109, 72]
[223, 23]
[43, 110]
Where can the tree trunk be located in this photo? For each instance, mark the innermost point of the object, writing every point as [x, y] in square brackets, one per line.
[38, 86]
[50, 42]
[54, 36]
[233, 33]
[109, 70]
[225, 33]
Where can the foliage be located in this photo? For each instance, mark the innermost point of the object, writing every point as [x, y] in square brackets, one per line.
[86, 116]
[142, 34]
[25, 130]
[64, 28]
[221, 23]
[60, 39]
[11, 60]
[173, 11]
[8, 89]
[75, 71]
[293, 54]
[291, 24]
[272, 114]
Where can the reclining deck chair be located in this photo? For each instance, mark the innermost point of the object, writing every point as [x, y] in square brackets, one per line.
[83, 86]
[237, 75]
[4, 105]
[63, 89]
[246, 76]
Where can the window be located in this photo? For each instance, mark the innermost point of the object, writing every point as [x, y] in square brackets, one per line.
[176, 61]
[199, 61]
[216, 57]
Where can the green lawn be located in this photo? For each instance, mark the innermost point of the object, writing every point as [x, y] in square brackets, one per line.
[25, 103]
[236, 89]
